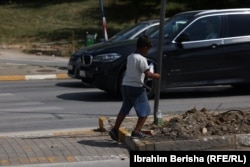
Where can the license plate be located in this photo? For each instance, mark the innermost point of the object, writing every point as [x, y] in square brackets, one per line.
[70, 67]
[82, 73]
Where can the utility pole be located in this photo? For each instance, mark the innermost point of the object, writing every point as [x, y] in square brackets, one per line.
[157, 111]
[103, 20]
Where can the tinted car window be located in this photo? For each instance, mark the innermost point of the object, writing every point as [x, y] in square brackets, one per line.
[126, 33]
[203, 29]
[238, 25]
[172, 26]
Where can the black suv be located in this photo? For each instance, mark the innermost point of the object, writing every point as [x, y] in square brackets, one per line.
[201, 48]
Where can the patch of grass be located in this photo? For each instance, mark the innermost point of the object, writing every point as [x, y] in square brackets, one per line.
[20, 23]
[67, 21]
[44, 21]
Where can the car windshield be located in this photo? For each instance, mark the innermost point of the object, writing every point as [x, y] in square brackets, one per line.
[172, 26]
[128, 32]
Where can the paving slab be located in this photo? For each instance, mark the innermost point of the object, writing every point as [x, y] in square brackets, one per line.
[67, 147]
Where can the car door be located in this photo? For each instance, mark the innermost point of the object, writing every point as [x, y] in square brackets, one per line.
[193, 59]
[237, 48]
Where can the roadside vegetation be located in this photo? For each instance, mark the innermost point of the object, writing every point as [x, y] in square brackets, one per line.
[29, 23]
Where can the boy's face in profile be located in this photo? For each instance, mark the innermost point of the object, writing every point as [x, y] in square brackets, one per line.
[145, 50]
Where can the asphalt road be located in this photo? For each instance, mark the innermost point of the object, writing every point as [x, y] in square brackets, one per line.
[63, 104]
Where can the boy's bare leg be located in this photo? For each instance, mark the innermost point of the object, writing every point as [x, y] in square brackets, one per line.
[140, 123]
[119, 119]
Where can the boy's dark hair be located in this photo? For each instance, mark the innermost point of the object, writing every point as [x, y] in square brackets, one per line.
[144, 41]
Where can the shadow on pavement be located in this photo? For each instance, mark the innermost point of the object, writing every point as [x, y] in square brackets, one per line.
[89, 96]
[102, 143]
[96, 95]
[74, 84]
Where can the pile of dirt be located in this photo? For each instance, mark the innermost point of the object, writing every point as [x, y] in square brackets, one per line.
[195, 124]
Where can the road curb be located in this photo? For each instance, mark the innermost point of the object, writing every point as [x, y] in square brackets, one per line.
[50, 133]
[33, 77]
[104, 126]
[233, 142]
[238, 141]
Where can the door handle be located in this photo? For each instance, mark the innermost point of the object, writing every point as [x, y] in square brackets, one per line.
[175, 70]
[214, 46]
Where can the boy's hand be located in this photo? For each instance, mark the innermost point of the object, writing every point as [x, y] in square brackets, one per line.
[156, 76]
[152, 75]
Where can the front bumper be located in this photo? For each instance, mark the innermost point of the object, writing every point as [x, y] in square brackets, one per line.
[74, 68]
[103, 77]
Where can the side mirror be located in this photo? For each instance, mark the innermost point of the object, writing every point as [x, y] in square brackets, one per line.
[183, 37]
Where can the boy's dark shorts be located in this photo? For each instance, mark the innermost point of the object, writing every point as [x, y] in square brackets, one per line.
[135, 97]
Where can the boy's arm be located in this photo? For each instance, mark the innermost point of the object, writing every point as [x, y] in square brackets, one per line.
[149, 74]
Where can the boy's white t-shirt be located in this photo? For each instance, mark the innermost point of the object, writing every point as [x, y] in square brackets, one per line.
[136, 66]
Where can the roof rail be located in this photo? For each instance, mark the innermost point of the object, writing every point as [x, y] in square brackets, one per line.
[223, 10]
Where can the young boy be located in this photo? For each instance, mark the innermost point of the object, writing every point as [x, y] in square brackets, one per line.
[133, 93]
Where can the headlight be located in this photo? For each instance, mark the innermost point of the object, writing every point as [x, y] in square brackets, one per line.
[108, 57]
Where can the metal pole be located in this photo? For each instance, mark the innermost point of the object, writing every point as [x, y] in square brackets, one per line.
[159, 60]
[103, 20]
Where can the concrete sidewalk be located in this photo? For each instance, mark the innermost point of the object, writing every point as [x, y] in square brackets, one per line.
[72, 148]
[16, 65]
[103, 163]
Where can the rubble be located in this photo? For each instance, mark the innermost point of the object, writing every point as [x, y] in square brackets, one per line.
[195, 124]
